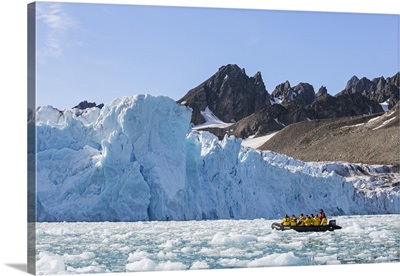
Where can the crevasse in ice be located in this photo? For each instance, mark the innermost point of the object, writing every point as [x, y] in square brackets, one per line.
[138, 159]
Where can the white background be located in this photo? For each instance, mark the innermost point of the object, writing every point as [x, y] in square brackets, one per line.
[13, 110]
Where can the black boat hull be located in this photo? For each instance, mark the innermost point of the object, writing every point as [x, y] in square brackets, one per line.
[330, 227]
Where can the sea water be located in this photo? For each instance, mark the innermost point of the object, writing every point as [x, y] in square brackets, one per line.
[179, 245]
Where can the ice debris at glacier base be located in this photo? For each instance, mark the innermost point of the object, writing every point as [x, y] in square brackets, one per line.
[138, 159]
[100, 247]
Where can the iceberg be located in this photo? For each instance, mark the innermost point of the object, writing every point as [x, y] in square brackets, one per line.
[138, 159]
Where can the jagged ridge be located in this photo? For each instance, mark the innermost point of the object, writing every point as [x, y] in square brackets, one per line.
[229, 93]
[296, 104]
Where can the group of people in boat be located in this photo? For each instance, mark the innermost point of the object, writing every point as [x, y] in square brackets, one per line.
[307, 220]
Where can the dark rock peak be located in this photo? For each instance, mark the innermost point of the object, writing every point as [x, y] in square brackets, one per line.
[380, 80]
[230, 94]
[85, 104]
[230, 71]
[322, 91]
[356, 85]
[306, 91]
[282, 87]
[231, 68]
[378, 90]
[233, 71]
[352, 81]
[286, 85]
[364, 84]
[258, 78]
[395, 79]
[303, 91]
[303, 87]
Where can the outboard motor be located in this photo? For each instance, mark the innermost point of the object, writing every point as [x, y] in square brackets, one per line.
[332, 222]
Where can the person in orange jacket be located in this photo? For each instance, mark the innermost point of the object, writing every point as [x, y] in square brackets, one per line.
[324, 220]
[321, 214]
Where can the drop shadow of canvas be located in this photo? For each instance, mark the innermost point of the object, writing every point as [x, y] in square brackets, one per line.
[19, 266]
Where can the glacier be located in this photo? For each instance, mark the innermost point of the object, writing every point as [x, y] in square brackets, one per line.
[138, 159]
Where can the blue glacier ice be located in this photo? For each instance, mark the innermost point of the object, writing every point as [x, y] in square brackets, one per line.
[138, 159]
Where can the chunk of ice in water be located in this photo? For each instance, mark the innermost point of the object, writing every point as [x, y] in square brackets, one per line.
[171, 266]
[199, 265]
[285, 259]
[79, 257]
[327, 259]
[86, 270]
[50, 264]
[138, 256]
[142, 265]
[233, 262]
[221, 239]
[381, 259]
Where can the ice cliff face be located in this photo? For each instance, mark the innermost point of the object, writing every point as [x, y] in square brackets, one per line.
[137, 159]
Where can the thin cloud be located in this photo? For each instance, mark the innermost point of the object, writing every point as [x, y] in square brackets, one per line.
[56, 23]
[54, 17]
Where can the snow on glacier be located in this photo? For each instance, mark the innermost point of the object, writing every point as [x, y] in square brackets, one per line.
[138, 159]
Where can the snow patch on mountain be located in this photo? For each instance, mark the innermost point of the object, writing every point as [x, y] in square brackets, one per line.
[275, 100]
[138, 159]
[385, 105]
[256, 142]
[384, 123]
[278, 122]
[211, 120]
[376, 122]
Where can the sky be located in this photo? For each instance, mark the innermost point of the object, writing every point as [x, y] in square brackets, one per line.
[13, 114]
[97, 52]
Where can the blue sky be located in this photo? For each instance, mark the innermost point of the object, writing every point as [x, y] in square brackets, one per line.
[97, 52]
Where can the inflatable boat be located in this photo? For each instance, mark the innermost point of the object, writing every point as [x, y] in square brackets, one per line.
[330, 227]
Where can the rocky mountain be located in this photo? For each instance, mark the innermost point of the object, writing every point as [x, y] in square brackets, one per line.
[326, 106]
[372, 139]
[229, 93]
[86, 104]
[286, 104]
[321, 92]
[279, 115]
[379, 89]
[284, 93]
